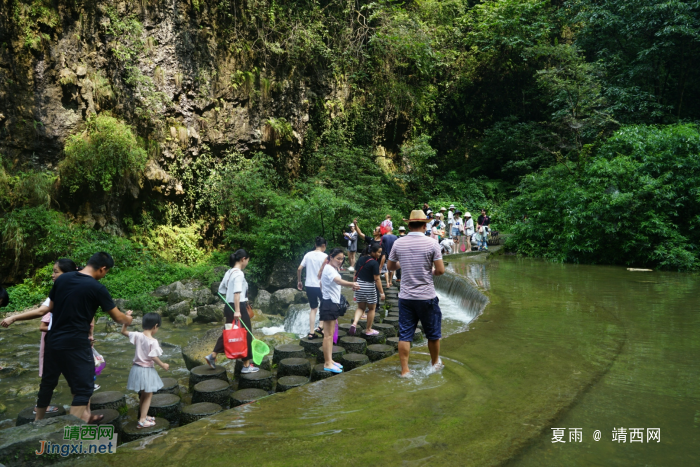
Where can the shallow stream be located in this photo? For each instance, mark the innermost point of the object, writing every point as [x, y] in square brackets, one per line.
[565, 346]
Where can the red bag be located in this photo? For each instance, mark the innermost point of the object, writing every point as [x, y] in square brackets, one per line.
[236, 341]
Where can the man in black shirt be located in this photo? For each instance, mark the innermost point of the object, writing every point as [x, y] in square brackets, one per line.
[75, 297]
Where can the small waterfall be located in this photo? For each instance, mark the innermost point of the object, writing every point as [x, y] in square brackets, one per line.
[462, 301]
[296, 321]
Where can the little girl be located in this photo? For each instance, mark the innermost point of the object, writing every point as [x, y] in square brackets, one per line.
[143, 377]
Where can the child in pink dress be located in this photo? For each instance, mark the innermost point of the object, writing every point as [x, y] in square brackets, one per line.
[143, 376]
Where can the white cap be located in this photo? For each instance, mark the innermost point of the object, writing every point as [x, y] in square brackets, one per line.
[402, 228]
[351, 225]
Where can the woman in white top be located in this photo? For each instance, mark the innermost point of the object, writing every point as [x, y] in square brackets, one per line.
[330, 305]
[469, 230]
[235, 288]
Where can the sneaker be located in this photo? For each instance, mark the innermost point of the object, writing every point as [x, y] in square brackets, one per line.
[249, 369]
[352, 330]
[210, 361]
[97, 386]
[351, 269]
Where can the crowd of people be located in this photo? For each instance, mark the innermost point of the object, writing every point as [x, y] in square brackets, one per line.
[410, 258]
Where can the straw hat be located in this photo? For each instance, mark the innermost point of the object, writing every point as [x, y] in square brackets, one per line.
[417, 216]
[468, 214]
[452, 206]
[443, 209]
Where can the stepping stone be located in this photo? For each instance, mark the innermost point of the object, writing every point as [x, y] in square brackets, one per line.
[353, 344]
[109, 400]
[338, 353]
[387, 329]
[344, 327]
[111, 417]
[203, 373]
[131, 432]
[418, 336]
[354, 360]
[266, 364]
[394, 342]
[288, 382]
[393, 321]
[212, 390]
[377, 339]
[261, 379]
[362, 324]
[378, 351]
[394, 309]
[27, 416]
[392, 302]
[166, 406]
[391, 293]
[342, 333]
[317, 374]
[294, 367]
[192, 413]
[170, 386]
[245, 396]
[287, 351]
[311, 345]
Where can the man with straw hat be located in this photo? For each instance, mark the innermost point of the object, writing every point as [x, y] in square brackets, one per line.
[420, 259]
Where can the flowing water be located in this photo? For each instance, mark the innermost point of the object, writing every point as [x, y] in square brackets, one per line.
[557, 346]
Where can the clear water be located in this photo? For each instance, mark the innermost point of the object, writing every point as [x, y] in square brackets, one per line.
[556, 346]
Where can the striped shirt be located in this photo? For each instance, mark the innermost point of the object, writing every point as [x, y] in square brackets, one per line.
[416, 253]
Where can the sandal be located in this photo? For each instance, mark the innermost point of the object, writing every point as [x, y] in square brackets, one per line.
[96, 418]
[146, 424]
[319, 330]
[311, 336]
[49, 409]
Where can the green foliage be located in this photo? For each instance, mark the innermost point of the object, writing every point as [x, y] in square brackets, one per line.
[418, 167]
[174, 244]
[279, 130]
[103, 156]
[32, 19]
[24, 187]
[635, 203]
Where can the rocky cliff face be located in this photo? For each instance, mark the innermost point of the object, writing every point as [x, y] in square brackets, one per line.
[162, 67]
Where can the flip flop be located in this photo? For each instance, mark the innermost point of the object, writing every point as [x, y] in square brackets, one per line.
[49, 409]
[338, 365]
[333, 370]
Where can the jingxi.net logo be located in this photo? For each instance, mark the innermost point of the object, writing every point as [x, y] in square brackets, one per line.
[82, 439]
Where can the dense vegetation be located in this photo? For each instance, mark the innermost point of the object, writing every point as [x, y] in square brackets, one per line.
[573, 121]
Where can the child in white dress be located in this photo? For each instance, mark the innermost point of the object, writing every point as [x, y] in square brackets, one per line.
[143, 376]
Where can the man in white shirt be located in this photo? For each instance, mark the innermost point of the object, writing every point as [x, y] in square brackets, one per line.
[313, 261]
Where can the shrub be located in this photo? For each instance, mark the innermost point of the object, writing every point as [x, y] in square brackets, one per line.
[635, 203]
[103, 156]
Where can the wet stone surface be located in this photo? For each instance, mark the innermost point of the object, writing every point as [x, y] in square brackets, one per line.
[109, 400]
[204, 373]
[317, 374]
[288, 351]
[165, 406]
[131, 432]
[288, 382]
[338, 353]
[294, 367]
[27, 415]
[354, 360]
[379, 351]
[261, 379]
[213, 390]
[394, 342]
[170, 386]
[194, 412]
[245, 396]
[353, 344]
[387, 329]
[310, 345]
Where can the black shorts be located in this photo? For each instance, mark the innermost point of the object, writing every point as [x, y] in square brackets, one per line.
[314, 295]
[76, 365]
[329, 311]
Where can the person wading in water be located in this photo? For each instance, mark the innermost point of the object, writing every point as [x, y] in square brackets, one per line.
[420, 259]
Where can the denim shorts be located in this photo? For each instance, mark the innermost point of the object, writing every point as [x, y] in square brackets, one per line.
[427, 312]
